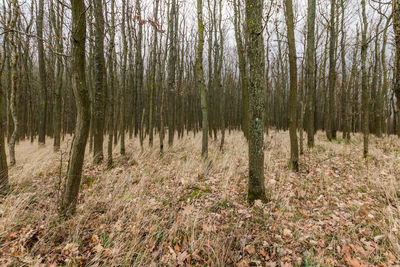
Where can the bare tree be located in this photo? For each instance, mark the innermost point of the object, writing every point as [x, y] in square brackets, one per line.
[255, 50]
[74, 173]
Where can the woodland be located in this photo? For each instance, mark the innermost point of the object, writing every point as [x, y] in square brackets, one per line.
[200, 133]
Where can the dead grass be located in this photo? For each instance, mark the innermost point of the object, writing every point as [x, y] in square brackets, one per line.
[177, 209]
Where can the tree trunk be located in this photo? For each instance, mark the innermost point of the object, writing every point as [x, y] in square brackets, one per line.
[364, 80]
[111, 99]
[171, 73]
[331, 131]
[14, 85]
[200, 79]
[310, 79]
[242, 68]
[123, 87]
[99, 84]
[255, 49]
[42, 72]
[396, 29]
[58, 22]
[81, 93]
[294, 151]
[153, 74]
[3, 157]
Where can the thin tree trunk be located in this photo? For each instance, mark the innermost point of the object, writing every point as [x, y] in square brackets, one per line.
[153, 74]
[3, 157]
[58, 22]
[200, 79]
[111, 99]
[294, 151]
[242, 68]
[123, 87]
[364, 80]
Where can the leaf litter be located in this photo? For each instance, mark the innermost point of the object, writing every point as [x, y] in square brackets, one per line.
[179, 210]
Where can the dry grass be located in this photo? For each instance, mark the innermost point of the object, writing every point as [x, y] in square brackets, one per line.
[178, 209]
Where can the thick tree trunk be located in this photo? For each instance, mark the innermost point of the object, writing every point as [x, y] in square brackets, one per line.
[255, 49]
[42, 72]
[81, 93]
[200, 79]
[396, 29]
[153, 74]
[171, 73]
[99, 84]
[310, 79]
[331, 130]
[14, 84]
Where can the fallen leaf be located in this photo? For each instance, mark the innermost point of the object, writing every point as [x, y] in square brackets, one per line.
[353, 262]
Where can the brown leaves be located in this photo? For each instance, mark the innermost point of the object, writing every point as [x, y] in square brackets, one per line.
[337, 208]
[353, 262]
[250, 249]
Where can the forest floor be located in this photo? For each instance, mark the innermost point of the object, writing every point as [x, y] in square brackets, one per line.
[178, 209]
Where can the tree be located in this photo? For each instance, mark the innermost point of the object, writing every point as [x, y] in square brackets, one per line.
[171, 71]
[310, 79]
[111, 98]
[396, 29]
[153, 72]
[294, 151]
[242, 67]
[14, 82]
[345, 95]
[42, 71]
[364, 80]
[81, 93]
[255, 49]
[123, 77]
[331, 131]
[58, 22]
[3, 157]
[99, 84]
[384, 72]
[200, 78]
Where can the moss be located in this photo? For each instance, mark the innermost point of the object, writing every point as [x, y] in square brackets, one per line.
[89, 181]
[128, 197]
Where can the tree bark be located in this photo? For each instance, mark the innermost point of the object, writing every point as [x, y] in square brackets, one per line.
[3, 157]
[364, 80]
[255, 49]
[396, 29]
[99, 84]
[81, 93]
[310, 79]
[200, 79]
[42, 72]
[14, 83]
[294, 151]
[331, 131]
